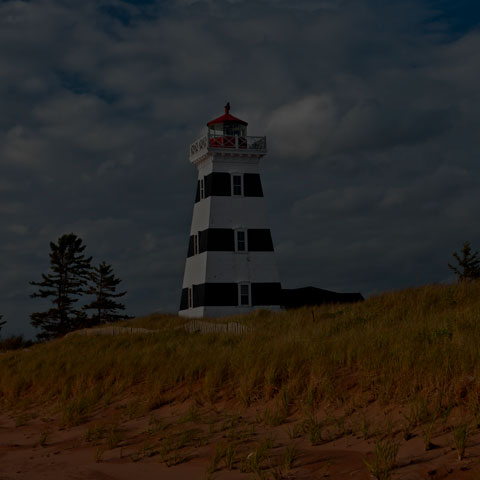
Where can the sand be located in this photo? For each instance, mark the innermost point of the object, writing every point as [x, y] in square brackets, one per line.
[185, 435]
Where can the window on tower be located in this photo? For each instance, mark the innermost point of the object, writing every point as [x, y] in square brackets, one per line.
[241, 241]
[202, 189]
[190, 298]
[244, 294]
[237, 187]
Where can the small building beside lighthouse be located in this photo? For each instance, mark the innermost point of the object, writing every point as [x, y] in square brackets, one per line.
[230, 266]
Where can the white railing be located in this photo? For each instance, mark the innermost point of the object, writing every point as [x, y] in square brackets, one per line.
[209, 141]
[198, 145]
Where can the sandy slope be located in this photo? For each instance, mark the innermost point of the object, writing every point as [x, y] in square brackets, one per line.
[33, 445]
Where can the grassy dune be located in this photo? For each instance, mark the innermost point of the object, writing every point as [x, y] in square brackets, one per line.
[419, 345]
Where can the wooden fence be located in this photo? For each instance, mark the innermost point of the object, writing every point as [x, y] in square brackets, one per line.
[209, 327]
[194, 326]
[109, 331]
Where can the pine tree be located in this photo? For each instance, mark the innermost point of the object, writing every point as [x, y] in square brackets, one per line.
[468, 264]
[104, 286]
[65, 283]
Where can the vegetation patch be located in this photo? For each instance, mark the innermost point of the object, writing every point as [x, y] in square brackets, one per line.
[311, 377]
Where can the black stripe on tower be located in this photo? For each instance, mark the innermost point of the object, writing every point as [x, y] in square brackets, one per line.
[222, 240]
[226, 295]
[259, 240]
[184, 299]
[216, 239]
[190, 251]
[252, 185]
[219, 184]
[215, 294]
[266, 293]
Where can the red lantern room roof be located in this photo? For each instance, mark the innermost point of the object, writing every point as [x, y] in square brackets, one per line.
[226, 118]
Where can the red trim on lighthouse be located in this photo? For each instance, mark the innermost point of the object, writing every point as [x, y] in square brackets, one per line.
[226, 118]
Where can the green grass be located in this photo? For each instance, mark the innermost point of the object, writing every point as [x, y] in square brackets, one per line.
[404, 346]
[383, 460]
[290, 455]
[460, 436]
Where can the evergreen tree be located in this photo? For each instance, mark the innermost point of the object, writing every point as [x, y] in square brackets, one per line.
[2, 323]
[468, 264]
[65, 283]
[104, 286]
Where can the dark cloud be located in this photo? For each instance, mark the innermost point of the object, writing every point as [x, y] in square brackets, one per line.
[371, 111]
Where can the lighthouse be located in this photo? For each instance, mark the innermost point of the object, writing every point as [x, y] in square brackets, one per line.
[230, 266]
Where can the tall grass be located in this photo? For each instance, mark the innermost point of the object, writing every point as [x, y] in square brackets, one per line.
[383, 461]
[419, 342]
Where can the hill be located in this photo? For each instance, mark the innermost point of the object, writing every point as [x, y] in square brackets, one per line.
[387, 385]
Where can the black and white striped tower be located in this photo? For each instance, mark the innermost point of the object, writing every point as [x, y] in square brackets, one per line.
[230, 266]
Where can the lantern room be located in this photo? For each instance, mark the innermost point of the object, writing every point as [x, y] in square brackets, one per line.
[227, 131]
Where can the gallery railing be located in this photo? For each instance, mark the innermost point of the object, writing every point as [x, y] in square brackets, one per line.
[229, 142]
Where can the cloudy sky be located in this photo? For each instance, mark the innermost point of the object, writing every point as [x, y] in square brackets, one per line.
[371, 111]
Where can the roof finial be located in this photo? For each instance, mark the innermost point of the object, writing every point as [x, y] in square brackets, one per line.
[227, 107]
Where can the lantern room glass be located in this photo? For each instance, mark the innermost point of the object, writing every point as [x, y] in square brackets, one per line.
[228, 130]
